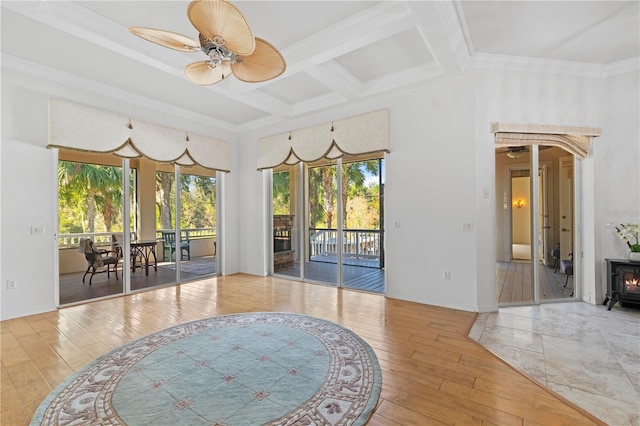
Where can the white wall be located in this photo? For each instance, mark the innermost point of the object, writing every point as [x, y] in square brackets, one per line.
[441, 161]
[615, 166]
[429, 192]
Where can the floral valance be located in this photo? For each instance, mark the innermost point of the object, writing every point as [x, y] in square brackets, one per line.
[362, 134]
[576, 140]
[79, 127]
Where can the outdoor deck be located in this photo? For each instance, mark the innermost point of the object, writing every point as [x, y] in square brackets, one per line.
[72, 289]
[357, 274]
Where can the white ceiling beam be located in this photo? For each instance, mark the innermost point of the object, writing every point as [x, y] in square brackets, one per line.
[335, 77]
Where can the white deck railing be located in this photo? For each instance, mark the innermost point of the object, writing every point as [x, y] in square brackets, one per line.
[356, 243]
[66, 241]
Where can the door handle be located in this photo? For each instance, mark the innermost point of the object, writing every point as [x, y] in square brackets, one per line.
[565, 230]
[546, 227]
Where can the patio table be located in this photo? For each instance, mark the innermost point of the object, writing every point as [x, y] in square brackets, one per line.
[144, 249]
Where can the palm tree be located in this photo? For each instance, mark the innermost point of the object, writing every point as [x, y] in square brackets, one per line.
[109, 200]
[88, 182]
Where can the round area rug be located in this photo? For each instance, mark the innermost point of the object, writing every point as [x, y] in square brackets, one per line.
[247, 369]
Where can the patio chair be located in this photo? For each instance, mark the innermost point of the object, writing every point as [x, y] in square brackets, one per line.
[117, 243]
[98, 261]
[169, 245]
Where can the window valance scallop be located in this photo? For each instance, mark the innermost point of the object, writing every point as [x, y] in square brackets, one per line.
[82, 128]
[576, 140]
[362, 134]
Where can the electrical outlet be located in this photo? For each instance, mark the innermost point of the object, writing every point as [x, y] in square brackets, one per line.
[446, 275]
[485, 193]
[467, 226]
[12, 284]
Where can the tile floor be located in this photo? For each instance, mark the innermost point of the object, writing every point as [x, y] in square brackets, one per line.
[583, 352]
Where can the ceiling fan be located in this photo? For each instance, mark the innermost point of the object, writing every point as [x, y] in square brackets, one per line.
[517, 151]
[513, 151]
[226, 38]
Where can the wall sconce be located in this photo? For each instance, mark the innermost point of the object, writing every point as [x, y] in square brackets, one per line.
[519, 204]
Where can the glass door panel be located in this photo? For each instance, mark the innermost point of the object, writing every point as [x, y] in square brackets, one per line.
[362, 266]
[556, 243]
[165, 231]
[90, 204]
[286, 250]
[322, 257]
[520, 276]
[198, 245]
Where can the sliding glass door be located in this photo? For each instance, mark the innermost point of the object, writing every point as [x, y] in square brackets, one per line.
[197, 248]
[90, 220]
[287, 250]
[162, 203]
[324, 234]
[338, 237]
[362, 219]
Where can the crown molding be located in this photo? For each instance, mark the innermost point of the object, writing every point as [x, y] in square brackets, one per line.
[453, 17]
[622, 67]
[536, 65]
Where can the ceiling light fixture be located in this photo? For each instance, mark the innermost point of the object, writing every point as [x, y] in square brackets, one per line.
[226, 38]
[514, 154]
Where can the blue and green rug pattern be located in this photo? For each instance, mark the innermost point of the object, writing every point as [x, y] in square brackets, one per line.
[246, 369]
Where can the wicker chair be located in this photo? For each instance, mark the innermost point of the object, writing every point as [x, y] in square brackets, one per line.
[98, 261]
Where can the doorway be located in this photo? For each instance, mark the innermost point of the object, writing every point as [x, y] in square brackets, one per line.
[536, 214]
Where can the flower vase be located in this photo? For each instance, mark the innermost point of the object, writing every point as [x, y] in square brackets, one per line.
[634, 256]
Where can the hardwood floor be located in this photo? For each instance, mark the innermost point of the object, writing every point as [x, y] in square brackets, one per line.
[514, 283]
[432, 372]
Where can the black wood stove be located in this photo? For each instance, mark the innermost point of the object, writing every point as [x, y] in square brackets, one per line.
[623, 283]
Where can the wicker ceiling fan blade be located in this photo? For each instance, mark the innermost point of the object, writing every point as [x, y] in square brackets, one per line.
[263, 64]
[203, 74]
[166, 38]
[218, 18]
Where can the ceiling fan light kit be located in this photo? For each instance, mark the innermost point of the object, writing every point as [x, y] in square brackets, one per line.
[226, 39]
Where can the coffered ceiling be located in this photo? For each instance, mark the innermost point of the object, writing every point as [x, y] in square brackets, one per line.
[336, 51]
